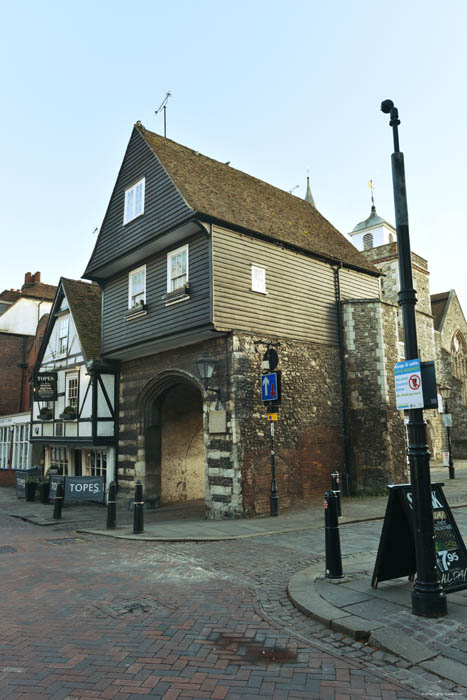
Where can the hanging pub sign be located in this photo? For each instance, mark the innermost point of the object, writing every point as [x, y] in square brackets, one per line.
[396, 552]
[45, 386]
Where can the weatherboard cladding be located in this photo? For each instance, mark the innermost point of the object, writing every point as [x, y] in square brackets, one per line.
[160, 320]
[164, 208]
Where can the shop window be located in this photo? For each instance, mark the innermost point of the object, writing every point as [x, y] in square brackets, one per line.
[5, 435]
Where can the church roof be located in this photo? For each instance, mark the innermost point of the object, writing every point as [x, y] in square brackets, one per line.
[372, 220]
[221, 193]
[438, 307]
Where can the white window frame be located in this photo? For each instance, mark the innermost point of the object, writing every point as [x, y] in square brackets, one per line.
[98, 463]
[131, 303]
[258, 281]
[5, 444]
[20, 459]
[172, 254]
[62, 337]
[134, 207]
[72, 400]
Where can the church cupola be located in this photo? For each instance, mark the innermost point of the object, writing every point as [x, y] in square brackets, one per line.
[373, 231]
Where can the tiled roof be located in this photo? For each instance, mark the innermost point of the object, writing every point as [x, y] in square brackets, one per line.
[225, 194]
[438, 307]
[84, 300]
[10, 295]
[39, 290]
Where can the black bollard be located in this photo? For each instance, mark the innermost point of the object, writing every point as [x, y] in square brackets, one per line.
[332, 539]
[336, 487]
[138, 514]
[112, 506]
[58, 501]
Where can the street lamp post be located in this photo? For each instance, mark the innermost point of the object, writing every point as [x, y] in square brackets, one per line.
[428, 597]
[445, 392]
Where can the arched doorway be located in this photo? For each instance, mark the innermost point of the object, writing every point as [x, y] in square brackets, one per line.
[175, 465]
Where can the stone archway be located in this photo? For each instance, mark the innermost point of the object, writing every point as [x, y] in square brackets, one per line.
[175, 464]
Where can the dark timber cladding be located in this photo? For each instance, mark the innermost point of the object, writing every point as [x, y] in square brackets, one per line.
[160, 319]
[164, 208]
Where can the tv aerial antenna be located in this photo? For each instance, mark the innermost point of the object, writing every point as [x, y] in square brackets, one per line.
[163, 106]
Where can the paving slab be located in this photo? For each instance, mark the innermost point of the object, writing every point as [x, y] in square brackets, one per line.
[447, 668]
[407, 647]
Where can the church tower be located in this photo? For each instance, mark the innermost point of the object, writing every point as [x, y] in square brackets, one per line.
[373, 231]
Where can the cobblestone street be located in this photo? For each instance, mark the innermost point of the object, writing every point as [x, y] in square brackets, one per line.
[89, 617]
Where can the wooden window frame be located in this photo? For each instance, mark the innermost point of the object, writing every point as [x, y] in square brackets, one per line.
[177, 251]
[129, 210]
[132, 305]
[254, 279]
[70, 376]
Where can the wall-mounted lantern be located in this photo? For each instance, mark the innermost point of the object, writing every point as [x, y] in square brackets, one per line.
[206, 367]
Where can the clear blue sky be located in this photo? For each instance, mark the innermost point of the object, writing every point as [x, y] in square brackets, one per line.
[276, 88]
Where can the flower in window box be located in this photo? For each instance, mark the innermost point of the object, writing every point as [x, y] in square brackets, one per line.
[69, 413]
[45, 413]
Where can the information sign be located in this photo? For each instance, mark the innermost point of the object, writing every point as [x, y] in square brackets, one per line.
[45, 386]
[396, 552]
[408, 381]
[273, 416]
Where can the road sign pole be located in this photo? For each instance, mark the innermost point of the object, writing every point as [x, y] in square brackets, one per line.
[428, 598]
[274, 499]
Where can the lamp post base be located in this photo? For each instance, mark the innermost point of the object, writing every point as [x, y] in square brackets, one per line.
[428, 601]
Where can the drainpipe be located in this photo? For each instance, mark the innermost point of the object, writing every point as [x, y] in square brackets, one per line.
[345, 415]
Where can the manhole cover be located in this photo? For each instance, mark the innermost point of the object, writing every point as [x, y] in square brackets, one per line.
[133, 607]
[67, 540]
[6, 548]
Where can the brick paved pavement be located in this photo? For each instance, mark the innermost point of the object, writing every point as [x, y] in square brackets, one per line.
[88, 617]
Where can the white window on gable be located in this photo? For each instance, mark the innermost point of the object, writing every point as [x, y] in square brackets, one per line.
[134, 201]
[72, 389]
[62, 338]
[177, 269]
[258, 279]
[137, 287]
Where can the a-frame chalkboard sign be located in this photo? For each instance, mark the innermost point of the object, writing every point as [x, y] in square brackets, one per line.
[396, 551]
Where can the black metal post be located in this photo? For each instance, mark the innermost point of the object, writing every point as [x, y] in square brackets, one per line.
[332, 537]
[452, 473]
[428, 597]
[138, 513]
[112, 506]
[274, 500]
[336, 487]
[58, 501]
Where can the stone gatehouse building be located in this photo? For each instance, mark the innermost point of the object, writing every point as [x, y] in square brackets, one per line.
[198, 261]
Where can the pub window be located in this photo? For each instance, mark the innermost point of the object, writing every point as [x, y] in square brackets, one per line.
[177, 269]
[72, 388]
[63, 335]
[134, 201]
[258, 279]
[98, 463]
[137, 286]
[59, 460]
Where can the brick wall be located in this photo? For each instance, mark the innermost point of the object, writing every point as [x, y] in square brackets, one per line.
[14, 349]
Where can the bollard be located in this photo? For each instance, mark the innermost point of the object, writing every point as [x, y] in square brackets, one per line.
[332, 539]
[112, 506]
[58, 501]
[336, 487]
[138, 517]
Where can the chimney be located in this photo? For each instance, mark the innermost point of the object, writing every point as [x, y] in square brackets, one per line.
[36, 278]
[27, 279]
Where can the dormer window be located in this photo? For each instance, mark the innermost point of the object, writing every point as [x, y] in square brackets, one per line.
[134, 201]
[137, 287]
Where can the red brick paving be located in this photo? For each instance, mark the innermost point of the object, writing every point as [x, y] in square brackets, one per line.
[70, 630]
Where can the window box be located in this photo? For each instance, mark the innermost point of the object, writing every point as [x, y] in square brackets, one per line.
[139, 309]
[69, 413]
[45, 414]
[178, 294]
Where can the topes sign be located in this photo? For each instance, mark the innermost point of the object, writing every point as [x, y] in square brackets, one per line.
[79, 488]
[45, 386]
[396, 552]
